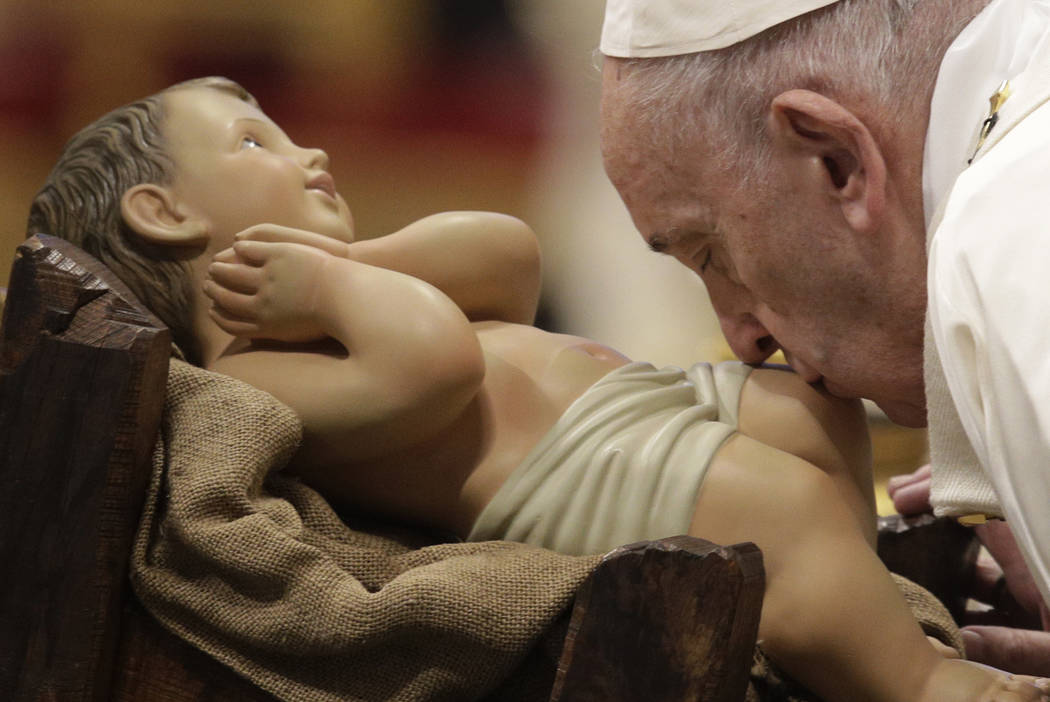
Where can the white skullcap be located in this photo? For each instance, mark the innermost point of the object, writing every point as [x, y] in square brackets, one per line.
[645, 28]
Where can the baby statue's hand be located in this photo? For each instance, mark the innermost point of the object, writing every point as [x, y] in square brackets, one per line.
[268, 290]
[277, 234]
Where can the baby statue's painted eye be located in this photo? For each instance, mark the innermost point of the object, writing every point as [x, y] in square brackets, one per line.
[250, 142]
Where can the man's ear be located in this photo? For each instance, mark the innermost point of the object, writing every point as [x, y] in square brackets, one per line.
[838, 153]
[152, 212]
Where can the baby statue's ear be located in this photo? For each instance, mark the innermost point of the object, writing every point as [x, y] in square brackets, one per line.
[150, 210]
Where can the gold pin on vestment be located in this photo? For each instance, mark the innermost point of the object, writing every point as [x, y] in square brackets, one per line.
[995, 103]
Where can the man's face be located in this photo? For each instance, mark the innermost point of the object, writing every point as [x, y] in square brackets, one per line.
[235, 168]
[781, 269]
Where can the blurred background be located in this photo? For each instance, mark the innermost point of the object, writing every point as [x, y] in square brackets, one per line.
[423, 105]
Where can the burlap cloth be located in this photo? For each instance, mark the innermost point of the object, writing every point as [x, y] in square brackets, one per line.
[254, 568]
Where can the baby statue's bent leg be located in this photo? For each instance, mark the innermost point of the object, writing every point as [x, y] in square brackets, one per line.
[832, 616]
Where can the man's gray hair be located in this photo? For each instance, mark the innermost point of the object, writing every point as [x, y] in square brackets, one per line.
[880, 55]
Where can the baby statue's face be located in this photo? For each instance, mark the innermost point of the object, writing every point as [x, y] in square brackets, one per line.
[235, 168]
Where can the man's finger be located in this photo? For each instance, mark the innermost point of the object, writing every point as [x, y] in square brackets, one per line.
[898, 481]
[913, 498]
[1019, 651]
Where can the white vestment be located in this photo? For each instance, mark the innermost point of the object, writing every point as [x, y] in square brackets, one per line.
[988, 317]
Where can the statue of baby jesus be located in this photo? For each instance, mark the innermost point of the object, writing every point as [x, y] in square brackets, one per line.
[426, 394]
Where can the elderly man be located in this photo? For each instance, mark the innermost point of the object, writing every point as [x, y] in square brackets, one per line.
[841, 173]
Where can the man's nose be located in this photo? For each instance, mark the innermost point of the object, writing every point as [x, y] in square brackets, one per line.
[749, 340]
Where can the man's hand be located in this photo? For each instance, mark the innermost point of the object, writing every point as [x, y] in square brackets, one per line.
[1021, 593]
[274, 233]
[1001, 581]
[268, 290]
[1020, 651]
[1009, 635]
[911, 493]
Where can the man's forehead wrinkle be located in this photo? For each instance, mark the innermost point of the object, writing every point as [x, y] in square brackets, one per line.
[638, 179]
